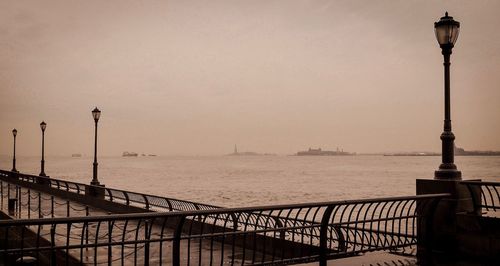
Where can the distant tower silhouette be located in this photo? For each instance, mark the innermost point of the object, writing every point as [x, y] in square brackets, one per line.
[235, 149]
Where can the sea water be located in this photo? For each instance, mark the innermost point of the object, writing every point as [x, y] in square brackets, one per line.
[235, 181]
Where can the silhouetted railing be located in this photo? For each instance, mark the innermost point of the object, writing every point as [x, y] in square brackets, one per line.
[485, 195]
[278, 234]
[29, 203]
[129, 198]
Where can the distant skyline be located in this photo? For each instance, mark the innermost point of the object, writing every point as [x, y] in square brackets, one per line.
[197, 77]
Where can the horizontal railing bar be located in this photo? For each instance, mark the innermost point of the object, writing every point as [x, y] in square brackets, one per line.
[480, 183]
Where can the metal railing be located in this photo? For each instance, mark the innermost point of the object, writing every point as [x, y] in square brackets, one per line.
[280, 234]
[29, 203]
[485, 195]
[128, 198]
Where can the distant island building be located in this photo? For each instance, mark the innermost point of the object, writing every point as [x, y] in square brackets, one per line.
[462, 152]
[458, 152]
[250, 153]
[320, 152]
[129, 154]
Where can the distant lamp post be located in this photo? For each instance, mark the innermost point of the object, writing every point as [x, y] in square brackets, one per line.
[96, 113]
[43, 125]
[14, 133]
[447, 31]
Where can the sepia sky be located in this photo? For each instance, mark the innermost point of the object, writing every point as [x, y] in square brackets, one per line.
[197, 77]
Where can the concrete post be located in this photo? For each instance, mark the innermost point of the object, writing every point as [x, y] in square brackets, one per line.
[444, 226]
[95, 191]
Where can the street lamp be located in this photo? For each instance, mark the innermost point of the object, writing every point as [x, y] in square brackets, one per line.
[43, 125]
[14, 133]
[447, 31]
[96, 113]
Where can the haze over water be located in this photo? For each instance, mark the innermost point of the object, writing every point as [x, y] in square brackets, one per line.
[260, 180]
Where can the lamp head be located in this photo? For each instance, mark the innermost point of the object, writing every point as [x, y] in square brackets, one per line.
[43, 125]
[447, 30]
[96, 113]
[14, 132]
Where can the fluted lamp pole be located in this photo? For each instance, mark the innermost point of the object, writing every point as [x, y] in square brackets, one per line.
[43, 125]
[14, 133]
[96, 113]
[447, 30]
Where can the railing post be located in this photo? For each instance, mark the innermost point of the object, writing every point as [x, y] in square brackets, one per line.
[20, 204]
[29, 203]
[1, 192]
[52, 206]
[53, 257]
[169, 205]
[323, 235]
[235, 221]
[176, 242]
[67, 208]
[110, 195]
[146, 201]
[126, 198]
[110, 238]
[11, 202]
[341, 240]
[86, 227]
[18, 208]
[40, 205]
[279, 224]
[147, 231]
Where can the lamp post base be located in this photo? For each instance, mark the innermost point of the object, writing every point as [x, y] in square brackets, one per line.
[96, 191]
[448, 174]
[43, 180]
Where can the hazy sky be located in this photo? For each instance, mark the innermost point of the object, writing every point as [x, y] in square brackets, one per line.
[197, 77]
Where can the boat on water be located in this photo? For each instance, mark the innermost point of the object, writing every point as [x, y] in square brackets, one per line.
[76, 155]
[129, 154]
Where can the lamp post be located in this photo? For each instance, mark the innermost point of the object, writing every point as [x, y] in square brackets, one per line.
[96, 113]
[447, 30]
[14, 133]
[43, 125]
